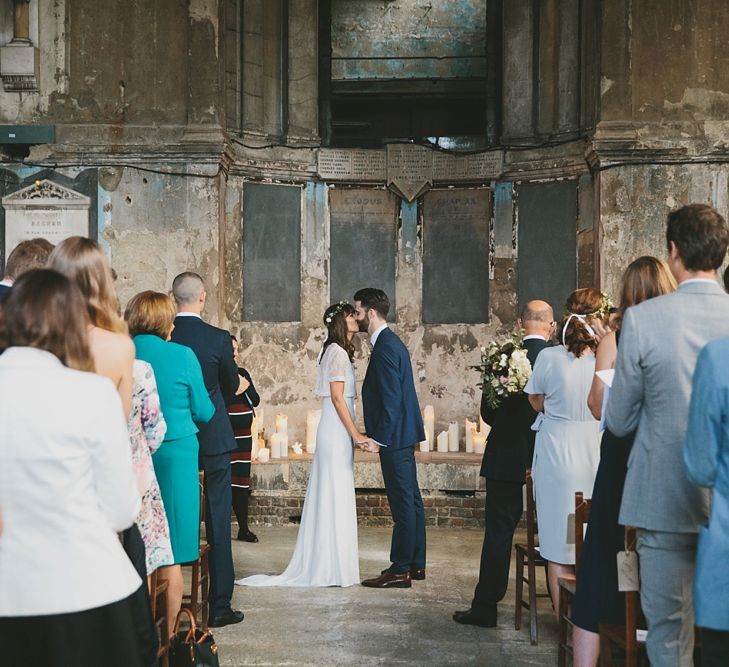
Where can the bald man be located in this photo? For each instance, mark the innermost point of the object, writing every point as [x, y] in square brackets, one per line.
[507, 457]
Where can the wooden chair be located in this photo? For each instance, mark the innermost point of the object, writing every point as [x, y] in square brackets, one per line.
[197, 599]
[625, 637]
[568, 584]
[158, 603]
[528, 555]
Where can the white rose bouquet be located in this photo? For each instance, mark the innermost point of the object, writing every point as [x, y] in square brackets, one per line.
[505, 370]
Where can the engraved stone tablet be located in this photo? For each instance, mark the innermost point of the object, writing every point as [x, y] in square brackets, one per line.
[352, 165]
[409, 169]
[44, 210]
[477, 167]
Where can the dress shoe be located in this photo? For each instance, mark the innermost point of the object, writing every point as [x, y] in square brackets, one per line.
[416, 573]
[470, 617]
[247, 536]
[389, 580]
[229, 617]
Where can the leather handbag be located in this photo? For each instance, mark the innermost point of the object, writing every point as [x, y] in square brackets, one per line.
[193, 647]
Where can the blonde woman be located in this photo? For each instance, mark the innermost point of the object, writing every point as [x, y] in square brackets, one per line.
[85, 263]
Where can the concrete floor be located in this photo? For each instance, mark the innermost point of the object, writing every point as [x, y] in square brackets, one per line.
[325, 627]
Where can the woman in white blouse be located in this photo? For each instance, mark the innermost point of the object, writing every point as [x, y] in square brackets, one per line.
[66, 488]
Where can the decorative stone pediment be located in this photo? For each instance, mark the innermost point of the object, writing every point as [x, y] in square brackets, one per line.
[45, 193]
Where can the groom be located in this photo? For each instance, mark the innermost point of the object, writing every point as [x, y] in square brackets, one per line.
[394, 427]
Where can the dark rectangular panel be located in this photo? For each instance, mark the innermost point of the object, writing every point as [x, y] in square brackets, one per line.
[363, 236]
[547, 242]
[271, 253]
[456, 256]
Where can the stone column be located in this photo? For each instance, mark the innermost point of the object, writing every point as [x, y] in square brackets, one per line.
[21, 21]
[303, 75]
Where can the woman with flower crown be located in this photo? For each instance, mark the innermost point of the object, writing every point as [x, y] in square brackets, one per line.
[567, 447]
[326, 551]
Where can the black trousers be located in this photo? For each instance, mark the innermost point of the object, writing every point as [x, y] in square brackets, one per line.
[715, 648]
[218, 500]
[504, 507]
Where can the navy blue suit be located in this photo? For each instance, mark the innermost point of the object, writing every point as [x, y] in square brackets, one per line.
[214, 351]
[392, 418]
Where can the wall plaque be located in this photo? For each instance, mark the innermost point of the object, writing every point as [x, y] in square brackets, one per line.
[44, 210]
[409, 169]
[352, 165]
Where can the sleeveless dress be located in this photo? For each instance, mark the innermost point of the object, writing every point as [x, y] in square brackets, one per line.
[567, 448]
[326, 551]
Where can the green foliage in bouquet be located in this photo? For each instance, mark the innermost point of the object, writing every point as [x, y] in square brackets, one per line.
[504, 369]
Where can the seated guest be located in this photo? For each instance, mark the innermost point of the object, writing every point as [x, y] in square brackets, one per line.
[241, 413]
[597, 599]
[26, 256]
[84, 262]
[706, 453]
[567, 447]
[66, 488]
[185, 402]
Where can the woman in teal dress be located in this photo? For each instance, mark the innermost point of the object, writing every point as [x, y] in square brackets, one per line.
[184, 401]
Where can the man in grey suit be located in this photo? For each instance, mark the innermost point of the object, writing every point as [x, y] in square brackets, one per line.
[660, 341]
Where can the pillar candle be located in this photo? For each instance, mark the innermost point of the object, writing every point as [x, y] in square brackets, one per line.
[453, 437]
[424, 446]
[284, 441]
[429, 425]
[443, 441]
[276, 446]
[263, 455]
[254, 448]
[479, 443]
[482, 425]
[312, 425]
[470, 429]
[282, 424]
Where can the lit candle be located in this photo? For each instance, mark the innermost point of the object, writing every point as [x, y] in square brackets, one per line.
[443, 441]
[263, 455]
[470, 429]
[254, 448]
[429, 425]
[483, 427]
[282, 424]
[276, 446]
[479, 443]
[453, 437]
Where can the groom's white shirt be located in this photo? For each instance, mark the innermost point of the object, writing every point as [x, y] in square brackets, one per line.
[373, 339]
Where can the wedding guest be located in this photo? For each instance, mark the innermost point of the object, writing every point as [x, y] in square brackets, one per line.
[185, 403]
[597, 599]
[706, 453]
[66, 488]
[147, 428]
[84, 262]
[26, 256]
[508, 454]
[241, 412]
[567, 446]
[659, 342]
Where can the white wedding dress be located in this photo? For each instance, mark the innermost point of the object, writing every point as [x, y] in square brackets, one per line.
[326, 552]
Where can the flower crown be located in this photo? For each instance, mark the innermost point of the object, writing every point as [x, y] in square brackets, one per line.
[601, 312]
[337, 309]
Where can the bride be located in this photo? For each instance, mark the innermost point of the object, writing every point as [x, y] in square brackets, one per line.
[326, 552]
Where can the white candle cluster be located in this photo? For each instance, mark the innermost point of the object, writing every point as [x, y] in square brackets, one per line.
[313, 417]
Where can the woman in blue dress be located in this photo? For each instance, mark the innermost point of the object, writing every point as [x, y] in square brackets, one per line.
[185, 402]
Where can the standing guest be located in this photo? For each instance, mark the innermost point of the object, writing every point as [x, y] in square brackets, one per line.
[66, 488]
[659, 342]
[84, 262]
[506, 458]
[214, 352]
[27, 255]
[241, 413]
[147, 430]
[567, 446]
[185, 403]
[706, 454]
[597, 599]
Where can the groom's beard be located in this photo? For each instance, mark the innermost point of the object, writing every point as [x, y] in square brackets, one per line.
[364, 324]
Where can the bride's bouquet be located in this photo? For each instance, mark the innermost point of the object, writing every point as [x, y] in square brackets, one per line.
[505, 370]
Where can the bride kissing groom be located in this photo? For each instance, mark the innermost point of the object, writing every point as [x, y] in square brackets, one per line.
[326, 552]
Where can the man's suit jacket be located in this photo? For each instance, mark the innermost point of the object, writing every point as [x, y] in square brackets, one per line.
[660, 340]
[391, 411]
[214, 351]
[510, 445]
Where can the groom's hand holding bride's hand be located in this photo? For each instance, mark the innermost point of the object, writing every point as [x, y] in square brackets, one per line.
[369, 445]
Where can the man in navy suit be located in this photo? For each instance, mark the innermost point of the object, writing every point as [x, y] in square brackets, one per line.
[394, 427]
[214, 352]
[508, 455]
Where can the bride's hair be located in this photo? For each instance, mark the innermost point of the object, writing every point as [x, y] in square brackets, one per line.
[336, 324]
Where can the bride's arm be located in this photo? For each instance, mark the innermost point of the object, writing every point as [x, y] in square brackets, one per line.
[340, 405]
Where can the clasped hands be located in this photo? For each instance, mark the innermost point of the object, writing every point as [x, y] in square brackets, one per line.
[367, 444]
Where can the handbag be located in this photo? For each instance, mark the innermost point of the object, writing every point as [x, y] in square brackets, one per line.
[193, 647]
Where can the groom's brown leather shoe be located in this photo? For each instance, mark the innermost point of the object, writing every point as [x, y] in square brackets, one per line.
[416, 573]
[389, 580]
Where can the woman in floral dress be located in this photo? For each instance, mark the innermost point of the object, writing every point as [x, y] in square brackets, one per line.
[147, 430]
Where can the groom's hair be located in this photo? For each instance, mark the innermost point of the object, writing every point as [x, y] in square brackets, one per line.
[376, 299]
